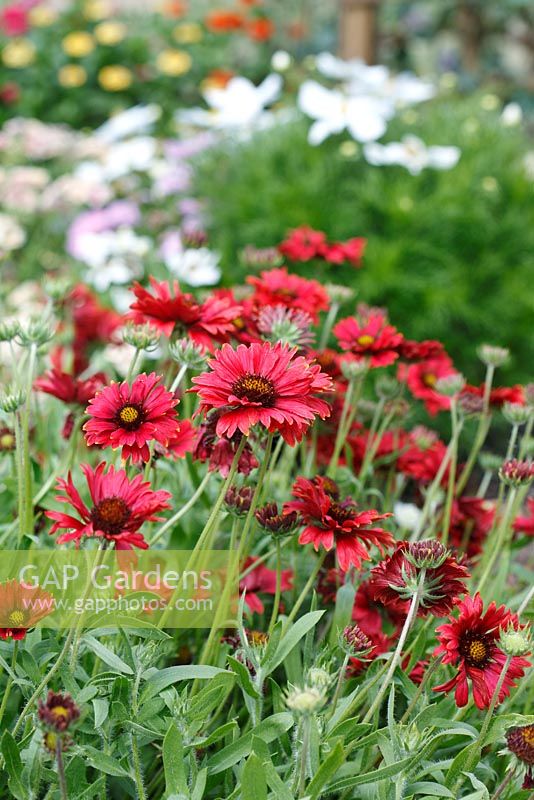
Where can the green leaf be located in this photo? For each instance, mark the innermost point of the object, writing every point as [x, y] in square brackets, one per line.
[469, 753]
[200, 785]
[426, 787]
[253, 780]
[13, 764]
[343, 611]
[326, 771]
[101, 711]
[243, 677]
[103, 762]
[107, 656]
[159, 679]
[371, 777]
[174, 762]
[292, 638]
[269, 730]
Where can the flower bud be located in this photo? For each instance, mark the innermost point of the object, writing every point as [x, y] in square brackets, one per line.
[493, 356]
[450, 385]
[517, 473]
[285, 325]
[278, 524]
[515, 642]
[354, 642]
[339, 294]
[516, 414]
[9, 329]
[238, 501]
[10, 402]
[188, 354]
[260, 258]
[319, 678]
[387, 388]
[36, 332]
[142, 337]
[305, 701]
[490, 462]
[352, 368]
[429, 554]
[57, 288]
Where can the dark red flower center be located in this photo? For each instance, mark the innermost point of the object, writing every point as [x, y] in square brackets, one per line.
[110, 515]
[255, 389]
[130, 416]
[475, 648]
[341, 512]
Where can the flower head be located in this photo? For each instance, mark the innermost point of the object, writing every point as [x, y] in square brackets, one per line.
[396, 578]
[422, 377]
[520, 740]
[278, 286]
[471, 643]
[132, 416]
[21, 607]
[59, 711]
[69, 388]
[354, 642]
[517, 473]
[331, 522]
[371, 338]
[276, 522]
[118, 508]
[285, 325]
[263, 384]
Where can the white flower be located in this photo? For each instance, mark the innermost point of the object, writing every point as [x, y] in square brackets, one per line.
[407, 515]
[239, 104]
[12, 236]
[512, 115]
[376, 81]
[411, 153]
[120, 159]
[135, 120]
[365, 118]
[196, 266]
[281, 60]
[113, 257]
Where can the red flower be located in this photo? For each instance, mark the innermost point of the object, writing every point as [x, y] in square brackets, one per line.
[392, 580]
[499, 396]
[224, 21]
[278, 286]
[303, 244]
[14, 21]
[68, 388]
[526, 524]
[332, 522]
[118, 509]
[21, 607]
[220, 452]
[471, 521]
[372, 338]
[390, 445]
[182, 442]
[93, 324]
[262, 579]
[421, 379]
[167, 310]
[265, 384]
[130, 417]
[417, 351]
[423, 456]
[260, 29]
[471, 644]
[9, 93]
[340, 252]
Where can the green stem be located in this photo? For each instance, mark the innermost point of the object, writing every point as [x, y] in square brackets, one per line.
[495, 547]
[455, 435]
[256, 497]
[177, 381]
[9, 683]
[328, 323]
[141, 793]
[182, 511]
[436, 663]
[27, 466]
[339, 684]
[132, 365]
[306, 589]
[304, 751]
[278, 588]
[19, 460]
[61, 769]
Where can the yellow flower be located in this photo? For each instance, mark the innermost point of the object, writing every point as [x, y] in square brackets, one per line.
[188, 33]
[97, 9]
[42, 17]
[78, 44]
[18, 53]
[110, 32]
[115, 78]
[174, 62]
[71, 76]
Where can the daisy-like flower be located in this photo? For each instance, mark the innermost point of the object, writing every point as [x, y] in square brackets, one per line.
[263, 384]
[59, 711]
[21, 608]
[132, 416]
[169, 309]
[372, 338]
[69, 388]
[421, 379]
[394, 580]
[471, 643]
[278, 286]
[332, 522]
[411, 153]
[118, 508]
[520, 741]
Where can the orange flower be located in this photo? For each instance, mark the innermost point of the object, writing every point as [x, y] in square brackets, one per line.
[224, 21]
[260, 29]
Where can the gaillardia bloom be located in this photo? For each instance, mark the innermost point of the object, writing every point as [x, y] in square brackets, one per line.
[520, 741]
[263, 384]
[59, 711]
[278, 286]
[21, 607]
[371, 338]
[119, 506]
[331, 522]
[471, 643]
[395, 579]
[131, 416]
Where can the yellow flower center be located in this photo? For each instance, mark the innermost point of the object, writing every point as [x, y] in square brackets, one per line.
[365, 340]
[477, 650]
[527, 734]
[16, 618]
[7, 441]
[429, 379]
[255, 388]
[59, 711]
[129, 414]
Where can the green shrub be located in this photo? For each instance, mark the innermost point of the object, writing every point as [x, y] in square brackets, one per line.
[451, 254]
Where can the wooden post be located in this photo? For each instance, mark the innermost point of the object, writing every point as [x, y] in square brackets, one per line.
[358, 29]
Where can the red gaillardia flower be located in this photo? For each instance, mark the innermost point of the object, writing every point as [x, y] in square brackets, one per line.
[119, 506]
[59, 711]
[262, 579]
[394, 580]
[131, 416]
[69, 388]
[168, 308]
[471, 643]
[331, 522]
[498, 396]
[371, 338]
[21, 607]
[526, 524]
[265, 384]
[421, 379]
[278, 286]
[520, 741]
